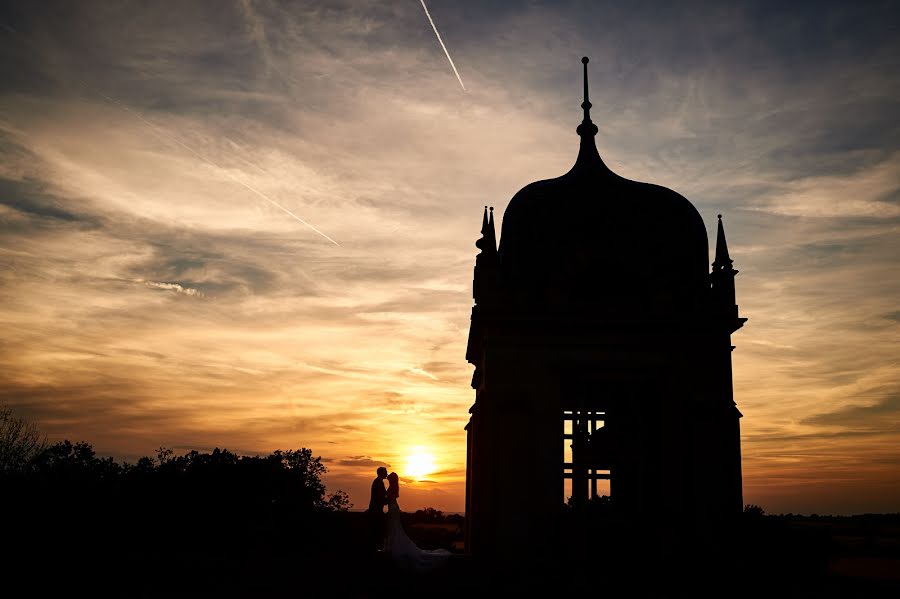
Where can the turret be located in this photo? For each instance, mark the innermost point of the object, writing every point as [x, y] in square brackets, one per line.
[484, 290]
[722, 284]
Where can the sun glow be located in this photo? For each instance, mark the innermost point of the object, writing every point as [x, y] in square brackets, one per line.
[419, 463]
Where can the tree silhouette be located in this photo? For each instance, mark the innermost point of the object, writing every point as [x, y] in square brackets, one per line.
[753, 511]
[20, 441]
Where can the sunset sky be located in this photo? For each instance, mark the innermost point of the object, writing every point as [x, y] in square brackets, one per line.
[152, 293]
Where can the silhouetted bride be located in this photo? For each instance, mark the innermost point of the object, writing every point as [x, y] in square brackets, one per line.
[399, 546]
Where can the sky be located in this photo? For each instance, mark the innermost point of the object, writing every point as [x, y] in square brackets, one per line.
[250, 224]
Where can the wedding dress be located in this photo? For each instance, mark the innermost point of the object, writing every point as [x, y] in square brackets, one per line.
[403, 551]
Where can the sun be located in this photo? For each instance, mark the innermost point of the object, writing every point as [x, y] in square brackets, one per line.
[419, 463]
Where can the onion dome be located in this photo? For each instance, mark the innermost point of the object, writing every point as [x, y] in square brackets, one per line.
[592, 241]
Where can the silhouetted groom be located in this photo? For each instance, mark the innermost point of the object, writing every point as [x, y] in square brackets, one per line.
[376, 510]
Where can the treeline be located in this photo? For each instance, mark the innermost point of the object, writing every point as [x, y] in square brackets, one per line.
[291, 479]
[186, 524]
[32, 470]
[430, 515]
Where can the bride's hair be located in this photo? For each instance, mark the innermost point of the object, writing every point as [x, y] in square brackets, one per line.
[393, 484]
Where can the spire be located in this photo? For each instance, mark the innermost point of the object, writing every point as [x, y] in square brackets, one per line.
[488, 241]
[587, 128]
[491, 231]
[723, 260]
[588, 158]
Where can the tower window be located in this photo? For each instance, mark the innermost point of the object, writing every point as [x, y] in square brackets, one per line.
[586, 467]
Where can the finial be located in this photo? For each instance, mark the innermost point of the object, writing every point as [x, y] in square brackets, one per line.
[492, 208]
[586, 127]
[720, 216]
[587, 102]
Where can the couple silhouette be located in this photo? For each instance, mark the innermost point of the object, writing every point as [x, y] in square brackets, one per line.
[386, 532]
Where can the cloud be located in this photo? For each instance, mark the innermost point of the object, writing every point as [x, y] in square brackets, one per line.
[190, 291]
[883, 416]
[418, 371]
[30, 199]
[863, 194]
[362, 461]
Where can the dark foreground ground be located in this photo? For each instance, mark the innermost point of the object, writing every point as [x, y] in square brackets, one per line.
[191, 554]
[223, 525]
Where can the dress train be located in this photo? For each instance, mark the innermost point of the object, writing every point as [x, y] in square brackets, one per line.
[404, 552]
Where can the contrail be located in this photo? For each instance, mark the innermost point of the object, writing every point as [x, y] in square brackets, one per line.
[430, 20]
[171, 138]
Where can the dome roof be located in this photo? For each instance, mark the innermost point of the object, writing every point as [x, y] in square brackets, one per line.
[591, 238]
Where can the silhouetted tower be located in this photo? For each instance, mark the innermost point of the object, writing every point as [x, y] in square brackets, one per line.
[602, 351]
